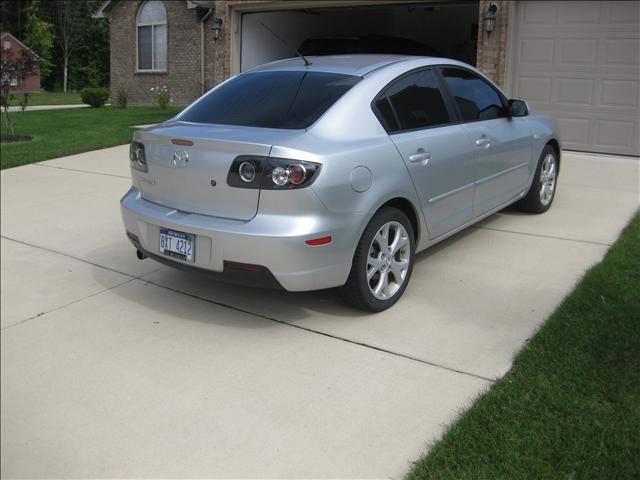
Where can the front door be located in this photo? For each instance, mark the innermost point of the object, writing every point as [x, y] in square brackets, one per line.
[501, 144]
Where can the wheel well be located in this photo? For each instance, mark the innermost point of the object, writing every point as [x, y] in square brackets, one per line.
[553, 143]
[406, 207]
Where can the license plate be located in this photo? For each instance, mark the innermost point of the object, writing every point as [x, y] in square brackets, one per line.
[177, 244]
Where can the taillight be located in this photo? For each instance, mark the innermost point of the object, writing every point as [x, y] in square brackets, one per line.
[271, 173]
[137, 158]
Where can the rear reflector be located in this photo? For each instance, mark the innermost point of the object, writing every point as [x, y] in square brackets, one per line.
[184, 143]
[243, 266]
[318, 241]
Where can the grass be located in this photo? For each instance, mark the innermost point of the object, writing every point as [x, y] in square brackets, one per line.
[57, 133]
[570, 407]
[48, 98]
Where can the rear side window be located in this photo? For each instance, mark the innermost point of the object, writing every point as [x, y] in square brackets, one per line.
[475, 98]
[291, 100]
[414, 101]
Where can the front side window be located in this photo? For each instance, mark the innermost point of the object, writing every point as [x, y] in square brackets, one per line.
[475, 98]
[152, 36]
[281, 99]
[413, 102]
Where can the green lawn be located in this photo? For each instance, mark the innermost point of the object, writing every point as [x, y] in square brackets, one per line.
[570, 407]
[57, 133]
[49, 98]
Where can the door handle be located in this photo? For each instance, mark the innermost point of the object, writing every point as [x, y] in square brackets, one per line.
[420, 156]
[483, 142]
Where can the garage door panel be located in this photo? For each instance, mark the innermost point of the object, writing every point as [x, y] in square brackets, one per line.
[583, 68]
[581, 13]
[537, 50]
[578, 51]
[575, 91]
[574, 130]
[614, 133]
[535, 89]
[538, 13]
[622, 52]
[621, 94]
[621, 12]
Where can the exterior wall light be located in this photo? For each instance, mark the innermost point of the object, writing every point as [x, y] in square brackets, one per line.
[489, 18]
[217, 28]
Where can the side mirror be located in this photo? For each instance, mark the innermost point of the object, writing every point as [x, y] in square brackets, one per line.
[518, 108]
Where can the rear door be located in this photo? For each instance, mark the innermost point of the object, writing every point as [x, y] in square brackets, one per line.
[502, 144]
[435, 149]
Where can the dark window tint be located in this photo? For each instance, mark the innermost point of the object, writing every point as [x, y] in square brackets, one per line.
[417, 101]
[145, 50]
[475, 98]
[271, 99]
[386, 113]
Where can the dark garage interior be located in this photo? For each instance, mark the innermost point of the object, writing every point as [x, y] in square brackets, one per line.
[445, 28]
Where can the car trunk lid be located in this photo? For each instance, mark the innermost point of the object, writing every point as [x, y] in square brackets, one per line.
[189, 163]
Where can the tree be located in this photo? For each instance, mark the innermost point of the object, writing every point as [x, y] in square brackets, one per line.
[14, 68]
[89, 66]
[69, 16]
[39, 38]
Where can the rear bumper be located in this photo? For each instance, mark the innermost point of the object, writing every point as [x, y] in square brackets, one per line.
[274, 241]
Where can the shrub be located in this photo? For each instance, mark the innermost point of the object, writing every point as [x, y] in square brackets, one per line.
[96, 97]
[122, 97]
[162, 95]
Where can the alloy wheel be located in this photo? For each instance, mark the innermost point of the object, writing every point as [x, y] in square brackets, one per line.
[388, 260]
[547, 179]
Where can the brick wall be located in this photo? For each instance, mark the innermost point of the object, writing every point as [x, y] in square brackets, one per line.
[30, 83]
[182, 77]
[222, 56]
[183, 45]
[492, 50]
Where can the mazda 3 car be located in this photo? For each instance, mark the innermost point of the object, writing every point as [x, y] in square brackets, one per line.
[334, 172]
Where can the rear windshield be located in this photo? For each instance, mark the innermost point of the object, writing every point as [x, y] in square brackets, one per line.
[289, 100]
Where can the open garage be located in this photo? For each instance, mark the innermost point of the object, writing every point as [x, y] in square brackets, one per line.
[446, 28]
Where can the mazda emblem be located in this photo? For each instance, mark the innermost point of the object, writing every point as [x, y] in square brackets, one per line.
[180, 159]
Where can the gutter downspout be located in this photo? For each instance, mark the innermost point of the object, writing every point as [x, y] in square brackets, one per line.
[202, 22]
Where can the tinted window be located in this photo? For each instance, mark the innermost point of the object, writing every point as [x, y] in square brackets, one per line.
[417, 102]
[475, 98]
[271, 99]
[386, 113]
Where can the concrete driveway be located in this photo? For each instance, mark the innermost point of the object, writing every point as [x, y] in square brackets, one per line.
[113, 367]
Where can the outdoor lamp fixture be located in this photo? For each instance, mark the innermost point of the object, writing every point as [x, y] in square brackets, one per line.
[216, 28]
[489, 18]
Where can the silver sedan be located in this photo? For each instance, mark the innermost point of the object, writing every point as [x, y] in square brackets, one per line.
[335, 173]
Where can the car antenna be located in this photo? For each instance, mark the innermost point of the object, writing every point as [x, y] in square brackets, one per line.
[306, 62]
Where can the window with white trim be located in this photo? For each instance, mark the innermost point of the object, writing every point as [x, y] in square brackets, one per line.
[152, 36]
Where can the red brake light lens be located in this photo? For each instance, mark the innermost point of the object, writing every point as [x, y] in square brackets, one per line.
[297, 173]
[319, 241]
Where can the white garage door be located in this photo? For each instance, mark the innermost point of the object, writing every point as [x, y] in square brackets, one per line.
[580, 62]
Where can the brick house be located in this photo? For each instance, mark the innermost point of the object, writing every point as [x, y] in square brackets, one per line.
[10, 45]
[578, 60]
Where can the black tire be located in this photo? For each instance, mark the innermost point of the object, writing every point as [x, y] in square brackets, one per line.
[533, 201]
[357, 290]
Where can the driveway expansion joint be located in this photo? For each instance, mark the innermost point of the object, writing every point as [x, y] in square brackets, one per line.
[539, 235]
[324, 334]
[231, 307]
[80, 171]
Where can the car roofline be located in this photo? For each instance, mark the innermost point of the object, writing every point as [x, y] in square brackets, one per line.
[324, 64]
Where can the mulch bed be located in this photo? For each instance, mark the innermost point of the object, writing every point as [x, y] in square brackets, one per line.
[17, 138]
